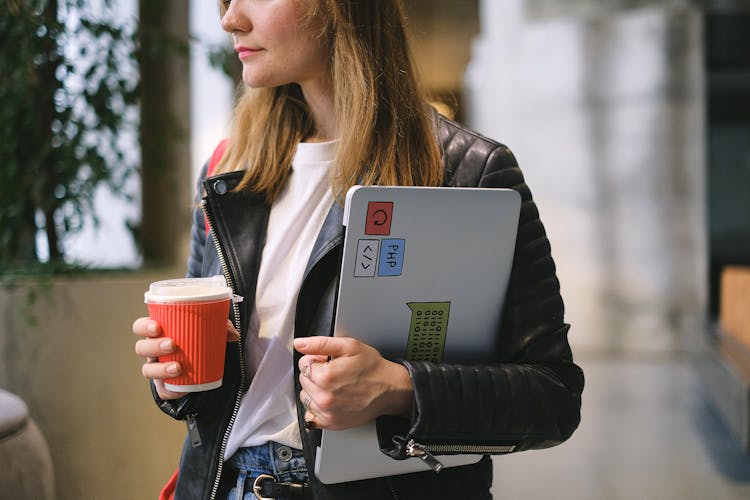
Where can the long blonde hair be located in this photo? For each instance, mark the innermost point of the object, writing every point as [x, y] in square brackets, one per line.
[386, 130]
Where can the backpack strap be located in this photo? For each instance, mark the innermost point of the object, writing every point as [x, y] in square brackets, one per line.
[215, 159]
[167, 493]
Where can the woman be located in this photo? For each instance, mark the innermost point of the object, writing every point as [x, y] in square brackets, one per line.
[331, 100]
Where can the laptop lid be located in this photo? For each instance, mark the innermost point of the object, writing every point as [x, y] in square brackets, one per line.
[424, 275]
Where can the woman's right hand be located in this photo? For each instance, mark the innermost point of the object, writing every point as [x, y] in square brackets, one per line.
[152, 345]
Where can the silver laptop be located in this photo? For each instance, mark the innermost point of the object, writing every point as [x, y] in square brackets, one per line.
[423, 277]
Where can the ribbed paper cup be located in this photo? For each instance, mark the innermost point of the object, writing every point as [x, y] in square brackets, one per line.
[193, 312]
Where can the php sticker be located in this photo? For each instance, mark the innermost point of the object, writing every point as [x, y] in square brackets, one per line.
[391, 259]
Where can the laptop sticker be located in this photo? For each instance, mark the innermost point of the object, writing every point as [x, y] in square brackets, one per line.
[391, 260]
[427, 330]
[379, 216]
[365, 264]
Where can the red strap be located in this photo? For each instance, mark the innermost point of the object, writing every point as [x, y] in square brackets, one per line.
[167, 493]
[215, 159]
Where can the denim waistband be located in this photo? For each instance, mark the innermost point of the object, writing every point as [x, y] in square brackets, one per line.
[286, 464]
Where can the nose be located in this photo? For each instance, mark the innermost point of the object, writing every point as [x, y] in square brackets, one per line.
[234, 19]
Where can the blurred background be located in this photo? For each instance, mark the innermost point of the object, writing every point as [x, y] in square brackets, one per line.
[630, 119]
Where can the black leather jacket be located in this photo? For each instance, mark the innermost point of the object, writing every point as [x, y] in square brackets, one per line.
[529, 398]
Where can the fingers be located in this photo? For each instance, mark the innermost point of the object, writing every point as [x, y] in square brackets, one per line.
[165, 393]
[353, 387]
[320, 415]
[153, 345]
[146, 327]
[306, 364]
[232, 334]
[308, 402]
[327, 346]
[156, 370]
[311, 417]
[311, 421]
[153, 348]
[323, 408]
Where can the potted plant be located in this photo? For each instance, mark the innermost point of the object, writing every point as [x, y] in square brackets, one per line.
[68, 89]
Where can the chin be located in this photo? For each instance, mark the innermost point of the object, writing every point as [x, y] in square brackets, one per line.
[256, 80]
[252, 80]
[258, 84]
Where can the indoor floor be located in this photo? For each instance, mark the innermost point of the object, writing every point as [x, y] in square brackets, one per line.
[646, 433]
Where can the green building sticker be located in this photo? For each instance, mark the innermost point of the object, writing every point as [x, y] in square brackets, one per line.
[429, 325]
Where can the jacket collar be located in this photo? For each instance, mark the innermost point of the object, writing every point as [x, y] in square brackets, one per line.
[241, 220]
[330, 236]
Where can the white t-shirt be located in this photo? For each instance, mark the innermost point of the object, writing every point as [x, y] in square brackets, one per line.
[267, 411]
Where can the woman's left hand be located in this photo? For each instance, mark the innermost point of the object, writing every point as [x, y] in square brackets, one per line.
[346, 383]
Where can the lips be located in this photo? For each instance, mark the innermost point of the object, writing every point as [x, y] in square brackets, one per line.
[244, 52]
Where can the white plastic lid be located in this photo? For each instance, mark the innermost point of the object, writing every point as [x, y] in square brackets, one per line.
[189, 290]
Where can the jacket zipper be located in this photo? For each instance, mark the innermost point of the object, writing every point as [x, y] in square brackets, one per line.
[193, 433]
[425, 452]
[237, 325]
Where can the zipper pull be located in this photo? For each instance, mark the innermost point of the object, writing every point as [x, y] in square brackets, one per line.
[192, 427]
[414, 449]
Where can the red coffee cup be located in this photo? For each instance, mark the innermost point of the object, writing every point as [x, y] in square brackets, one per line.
[193, 312]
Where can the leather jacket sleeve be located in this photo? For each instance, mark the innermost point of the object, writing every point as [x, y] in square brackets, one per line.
[529, 398]
[190, 405]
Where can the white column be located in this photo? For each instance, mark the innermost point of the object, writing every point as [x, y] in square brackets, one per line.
[211, 91]
[605, 116]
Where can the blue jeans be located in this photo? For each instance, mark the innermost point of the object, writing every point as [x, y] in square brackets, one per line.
[282, 462]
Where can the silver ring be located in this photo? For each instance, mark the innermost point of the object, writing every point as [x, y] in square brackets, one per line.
[306, 402]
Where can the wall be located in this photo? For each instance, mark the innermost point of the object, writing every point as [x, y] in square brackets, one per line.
[164, 92]
[77, 372]
[605, 115]
[441, 32]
